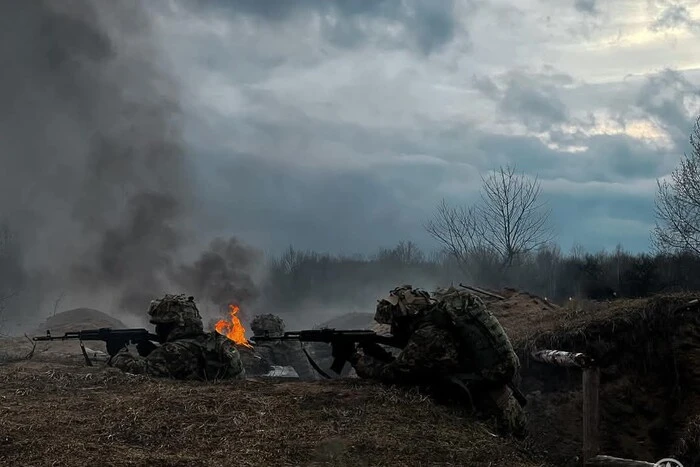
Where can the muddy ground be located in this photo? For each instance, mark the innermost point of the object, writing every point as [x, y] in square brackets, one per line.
[55, 411]
[58, 414]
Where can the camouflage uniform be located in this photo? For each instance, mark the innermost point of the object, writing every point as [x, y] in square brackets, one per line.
[187, 352]
[449, 338]
[280, 352]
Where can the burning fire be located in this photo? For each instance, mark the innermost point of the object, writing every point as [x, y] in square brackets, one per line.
[233, 329]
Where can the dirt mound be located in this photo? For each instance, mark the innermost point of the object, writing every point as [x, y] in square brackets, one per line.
[649, 354]
[77, 319]
[107, 417]
[522, 314]
[74, 320]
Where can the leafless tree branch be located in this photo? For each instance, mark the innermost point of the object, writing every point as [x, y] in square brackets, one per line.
[509, 221]
[677, 205]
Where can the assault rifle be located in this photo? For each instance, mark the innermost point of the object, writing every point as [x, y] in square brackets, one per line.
[115, 339]
[342, 344]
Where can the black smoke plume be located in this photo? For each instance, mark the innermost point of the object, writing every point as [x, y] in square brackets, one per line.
[95, 181]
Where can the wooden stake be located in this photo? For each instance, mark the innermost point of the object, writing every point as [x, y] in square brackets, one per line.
[591, 412]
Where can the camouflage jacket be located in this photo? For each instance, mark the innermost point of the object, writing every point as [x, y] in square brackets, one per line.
[430, 351]
[204, 357]
[455, 337]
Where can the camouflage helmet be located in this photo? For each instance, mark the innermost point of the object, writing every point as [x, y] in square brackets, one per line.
[267, 324]
[178, 310]
[402, 301]
[457, 298]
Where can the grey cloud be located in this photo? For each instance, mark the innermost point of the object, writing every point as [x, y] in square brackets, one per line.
[626, 158]
[665, 96]
[530, 98]
[581, 219]
[609, 158]
[361, 194]
[487, 87]
[275, 205]
[427, 24]
[674, 15]
[95, 180]
[322, 208]
[586, 6]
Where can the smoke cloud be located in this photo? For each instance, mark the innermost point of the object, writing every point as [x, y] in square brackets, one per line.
[221, 275]
[95, 183]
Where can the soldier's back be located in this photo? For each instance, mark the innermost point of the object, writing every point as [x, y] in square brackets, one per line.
[481, 335]
[216, 357]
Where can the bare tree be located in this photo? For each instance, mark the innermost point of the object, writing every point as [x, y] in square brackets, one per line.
[456, 229]
[678, 204]
[509, 221]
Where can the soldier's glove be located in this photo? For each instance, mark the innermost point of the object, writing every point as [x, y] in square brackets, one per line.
[144, 348]
[355, 356]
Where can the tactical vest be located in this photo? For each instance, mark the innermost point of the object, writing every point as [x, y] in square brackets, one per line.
[483, 345]
[217, 358]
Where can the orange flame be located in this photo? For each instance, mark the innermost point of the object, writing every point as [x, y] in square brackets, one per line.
[233, 329]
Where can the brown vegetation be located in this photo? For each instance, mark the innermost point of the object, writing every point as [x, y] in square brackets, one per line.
[54, 414]
[649, 353]
[647, 348]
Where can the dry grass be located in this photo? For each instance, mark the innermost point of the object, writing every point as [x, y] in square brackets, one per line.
[55, 412]
[649, 352]
[67, 415]
[561, 324]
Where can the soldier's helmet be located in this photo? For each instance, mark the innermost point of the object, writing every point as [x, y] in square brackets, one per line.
[403, 301]
[457, 298]
[268, 324]
[178, 313]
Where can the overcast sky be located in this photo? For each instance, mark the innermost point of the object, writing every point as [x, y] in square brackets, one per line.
[339, 125]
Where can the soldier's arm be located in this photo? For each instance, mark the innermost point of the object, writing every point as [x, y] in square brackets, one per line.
[168, 360]
[429, 350]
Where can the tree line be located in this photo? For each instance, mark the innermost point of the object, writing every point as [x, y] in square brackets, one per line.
[299, 276]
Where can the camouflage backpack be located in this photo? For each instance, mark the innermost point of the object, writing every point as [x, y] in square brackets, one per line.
[221, 359]
[484, 345]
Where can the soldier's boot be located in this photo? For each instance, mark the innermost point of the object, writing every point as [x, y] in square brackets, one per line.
[510, 415]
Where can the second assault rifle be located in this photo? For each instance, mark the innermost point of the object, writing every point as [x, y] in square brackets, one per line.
[343, 346]
[115, 339]
[342, 343]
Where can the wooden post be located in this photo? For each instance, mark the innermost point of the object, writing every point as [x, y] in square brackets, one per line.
[591, 412]
[591, 387]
